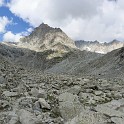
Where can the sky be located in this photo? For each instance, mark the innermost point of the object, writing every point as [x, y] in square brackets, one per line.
[89, 20]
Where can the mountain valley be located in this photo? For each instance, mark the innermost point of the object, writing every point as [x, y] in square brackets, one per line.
[47, 78]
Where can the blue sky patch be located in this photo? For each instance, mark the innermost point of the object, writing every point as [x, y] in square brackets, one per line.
[17, 25]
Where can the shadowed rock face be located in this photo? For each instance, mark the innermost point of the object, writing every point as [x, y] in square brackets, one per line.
[31, 59]
[45, 37]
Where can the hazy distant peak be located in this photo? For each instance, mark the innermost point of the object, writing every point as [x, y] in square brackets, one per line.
[95, 46]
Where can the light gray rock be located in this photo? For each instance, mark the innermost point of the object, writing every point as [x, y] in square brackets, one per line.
[74, 90]
[117, 120]
[85, 95]
[26, 102]
[112, 108]
[14, 118]
[41, 93]
[99, 99]
[34, 92]
[2, 80]
[88, 117]
[43, 103]
[69, 106]
[108, 111]
[37, 106]
[4, 104]
[10, 94]
[26, 117]
[117, 95]
[86, 80]
[98, 93]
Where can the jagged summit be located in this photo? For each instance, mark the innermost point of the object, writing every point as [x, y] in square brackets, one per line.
[45, 37]
[44, 26]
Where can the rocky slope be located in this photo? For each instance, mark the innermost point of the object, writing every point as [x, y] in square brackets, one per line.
[108, 65]
[74, 62]
[30, 97]
[30, 59]
[99, 47]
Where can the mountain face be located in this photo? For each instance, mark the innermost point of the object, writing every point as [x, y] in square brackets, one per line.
[44, 47]
[97, 47]
[45, 37]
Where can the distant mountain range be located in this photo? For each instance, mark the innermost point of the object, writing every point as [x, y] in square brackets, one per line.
[95, 46]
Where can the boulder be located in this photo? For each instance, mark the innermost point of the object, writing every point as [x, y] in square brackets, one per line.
[112, 109]
[26, 117]
[117, 120]
[14, 118]
[10, 94]
[74, 90]
[43, 103]
[69, 106]
[4, 104]
[98, 93]
[34, 92]
[88, 117]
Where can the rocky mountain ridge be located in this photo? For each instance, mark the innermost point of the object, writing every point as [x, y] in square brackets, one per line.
[98, 47]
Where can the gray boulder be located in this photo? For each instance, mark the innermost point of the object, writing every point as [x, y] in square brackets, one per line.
[69, 106]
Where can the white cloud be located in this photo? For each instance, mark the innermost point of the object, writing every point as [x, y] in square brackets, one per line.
[101, 20]
[4, 21]
[1, 2]
[52, 10]
[9, 36]
[29, 30]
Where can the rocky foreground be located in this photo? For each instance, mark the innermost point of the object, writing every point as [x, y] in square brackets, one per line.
[29, 97]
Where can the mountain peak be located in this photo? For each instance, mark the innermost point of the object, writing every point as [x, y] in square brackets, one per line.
[115, 41]
[45, 37]
[44, 26]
